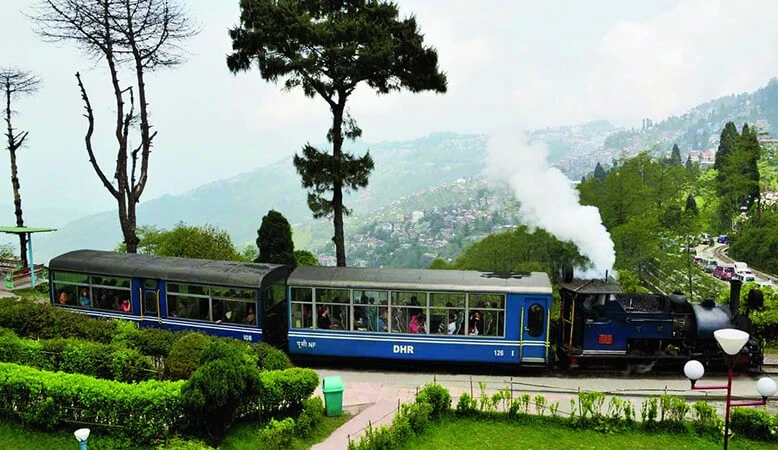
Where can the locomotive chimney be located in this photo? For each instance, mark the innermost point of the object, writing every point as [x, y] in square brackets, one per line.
[734, 296]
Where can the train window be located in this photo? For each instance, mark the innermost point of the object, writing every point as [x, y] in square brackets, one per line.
[409, 312]
[302, 307]
[186, 307]
[486, 315]
[367, 313]
[535, 320]
[65, 294]
[332, 309]
[110, 281]
[70, 277]
[447, 313]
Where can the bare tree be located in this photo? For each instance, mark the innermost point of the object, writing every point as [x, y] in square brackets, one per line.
[17, 82]
[142, 35]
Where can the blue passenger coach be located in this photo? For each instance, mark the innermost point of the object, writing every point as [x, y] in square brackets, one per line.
[222, 298]
[430, 315]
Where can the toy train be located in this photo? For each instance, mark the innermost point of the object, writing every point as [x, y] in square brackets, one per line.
[404, 314]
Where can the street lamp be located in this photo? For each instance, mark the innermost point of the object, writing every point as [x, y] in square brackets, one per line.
[731, 341]
[82, 435]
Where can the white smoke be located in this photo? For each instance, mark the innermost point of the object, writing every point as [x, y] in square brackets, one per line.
[548, 198]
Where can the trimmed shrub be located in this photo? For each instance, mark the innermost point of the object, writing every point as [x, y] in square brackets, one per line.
[278, 434]
[275, 360]
[269, 357]
[141, 412]
[216, 393]
[310, 416]
[754, 424]
[436, 396]
[185, 356]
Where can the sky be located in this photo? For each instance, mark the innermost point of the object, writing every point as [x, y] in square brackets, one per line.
[523, 64]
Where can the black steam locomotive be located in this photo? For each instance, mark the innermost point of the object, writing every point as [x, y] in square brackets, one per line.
[600, 324]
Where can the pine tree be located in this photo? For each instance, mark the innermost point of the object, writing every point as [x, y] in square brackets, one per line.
[274, 240]
[675, 156]
[328, 49]
[691, 204]
[599, 172]
[729, 136]
[689, 164]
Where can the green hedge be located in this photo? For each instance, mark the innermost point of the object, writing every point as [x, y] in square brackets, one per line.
[142, 412]
[107, 361]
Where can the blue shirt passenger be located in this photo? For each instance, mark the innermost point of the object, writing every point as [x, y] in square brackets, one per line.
[83, 299]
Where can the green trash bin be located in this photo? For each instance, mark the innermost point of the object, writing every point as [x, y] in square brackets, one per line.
[332, 387]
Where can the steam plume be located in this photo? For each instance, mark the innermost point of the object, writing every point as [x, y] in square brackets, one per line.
[548, 198]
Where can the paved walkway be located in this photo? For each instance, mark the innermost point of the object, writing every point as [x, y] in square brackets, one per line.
[370, 404]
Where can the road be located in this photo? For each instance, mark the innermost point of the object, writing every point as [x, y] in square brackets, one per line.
[719, 253]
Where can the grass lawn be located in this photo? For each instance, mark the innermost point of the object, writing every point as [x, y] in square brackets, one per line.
[241, 436]
[462, 433]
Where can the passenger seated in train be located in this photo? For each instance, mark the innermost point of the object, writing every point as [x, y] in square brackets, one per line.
[323, 319]
[417, 323]
[83, 299]
[451, 328]
[125, 305]
[180, 311]
[63, 297]
[251, 317]
[382, 326]
[476, 324]
[414, 311]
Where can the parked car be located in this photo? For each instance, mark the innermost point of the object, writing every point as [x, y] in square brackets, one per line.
[697, 260]
[710, 265]
[744, 275]
[724, 272]
[723, 239]
[705, 239]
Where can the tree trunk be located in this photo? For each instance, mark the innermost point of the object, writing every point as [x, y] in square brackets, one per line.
[18, 209]
[12, 147]
[337, 186]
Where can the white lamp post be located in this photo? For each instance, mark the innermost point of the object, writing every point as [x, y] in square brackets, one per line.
[731, 341]
[82, 435]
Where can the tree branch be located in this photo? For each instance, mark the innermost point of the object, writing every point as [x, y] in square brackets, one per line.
[88, 139]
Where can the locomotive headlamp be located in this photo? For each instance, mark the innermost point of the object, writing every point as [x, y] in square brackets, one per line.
[731, 340]
[766, 387]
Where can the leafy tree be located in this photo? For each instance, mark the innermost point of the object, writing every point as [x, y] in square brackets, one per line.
[328, 48]
[274, 240]
[206, 242]
[16, 83]
[675, 156]
[143, 35]
[305, 258]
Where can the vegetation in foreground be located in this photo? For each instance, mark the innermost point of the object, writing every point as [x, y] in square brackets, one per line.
[241, 436]
[464, 432]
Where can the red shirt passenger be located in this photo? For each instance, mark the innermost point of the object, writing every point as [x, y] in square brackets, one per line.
[125, 306]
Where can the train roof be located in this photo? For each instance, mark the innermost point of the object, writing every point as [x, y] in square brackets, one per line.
[420, 279]
[595, 286]
[183, 270]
